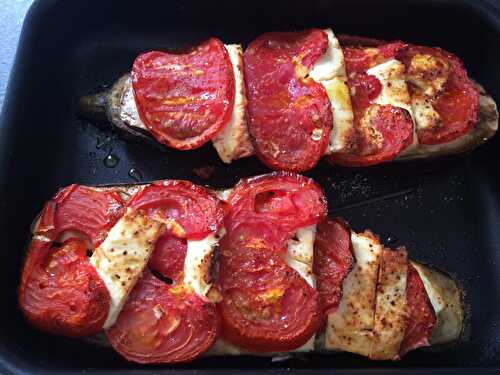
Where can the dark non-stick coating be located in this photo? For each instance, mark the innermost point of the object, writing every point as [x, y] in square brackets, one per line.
[445, 211]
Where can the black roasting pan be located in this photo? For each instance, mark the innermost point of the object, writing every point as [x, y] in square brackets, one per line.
[446, 211]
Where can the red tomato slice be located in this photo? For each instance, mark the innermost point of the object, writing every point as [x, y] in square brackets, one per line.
[61, 292]
[333, 259]
[161, 325]
[290, 116]
[383, 131]
[365, 89]
[358, 59]
[242, 227]
[194, 208]
[168, 257]
[457, 105]
[285, 200]
[267, 306]
[421, 319]
[87, 211]
[184, 99]
[395, 128]
[346, 40]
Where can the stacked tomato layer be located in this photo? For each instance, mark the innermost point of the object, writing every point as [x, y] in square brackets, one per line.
[60, 290]
[164, 320]
[382, 131]
[290, 116]
[187, 98]
[333, 259]
[257, 301]
[267, 305]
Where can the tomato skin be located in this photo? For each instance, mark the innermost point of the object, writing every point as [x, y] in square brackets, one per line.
[396, 127]
[359, 59]
[421, 319]
[161, 325]
[193, 207]
[285, 200]
[333, 260]
[61, 292]
[366, 88]
[290, 116]
[184, 99]
[267, 306]
[168, 256]
[347, 40]
[164, 320]
[85, 210]
[457, 105]
[393, 124]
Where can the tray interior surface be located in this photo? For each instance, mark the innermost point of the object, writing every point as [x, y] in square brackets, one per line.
[445, 211]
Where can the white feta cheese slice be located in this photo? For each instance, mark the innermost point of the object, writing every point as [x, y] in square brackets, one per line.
[122, 256]
[331, 64]
[342, 134]
[426, 116]
[330, 71]
[300, 250]
[198, 263]
[350, 327]
[390, 307]
[391, 75]
[233, 142]
[445, 298]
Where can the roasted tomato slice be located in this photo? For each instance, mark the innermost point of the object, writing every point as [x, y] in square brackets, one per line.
[163, 320]
[86, 211]
[359, 59]
[169, 256]
[266, 306]
[356, 41]
[421, 319]
[439, 79]
[290, 116]
[185, 98]
[190, 211]
[382, 131]
[333, 259]
[285, 200]
[61, 292]
[162, 324]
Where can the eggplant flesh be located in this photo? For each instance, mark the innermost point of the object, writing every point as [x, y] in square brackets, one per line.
[116, 107]
[444, 295]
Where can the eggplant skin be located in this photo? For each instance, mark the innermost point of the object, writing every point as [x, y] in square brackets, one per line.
[446, 299]
[108, 108]
[485, 129]
[444, 294]
[105, 107]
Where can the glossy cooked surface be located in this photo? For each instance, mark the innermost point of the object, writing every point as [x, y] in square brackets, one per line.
[184, 98]
[289, 113]
[451, 204]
